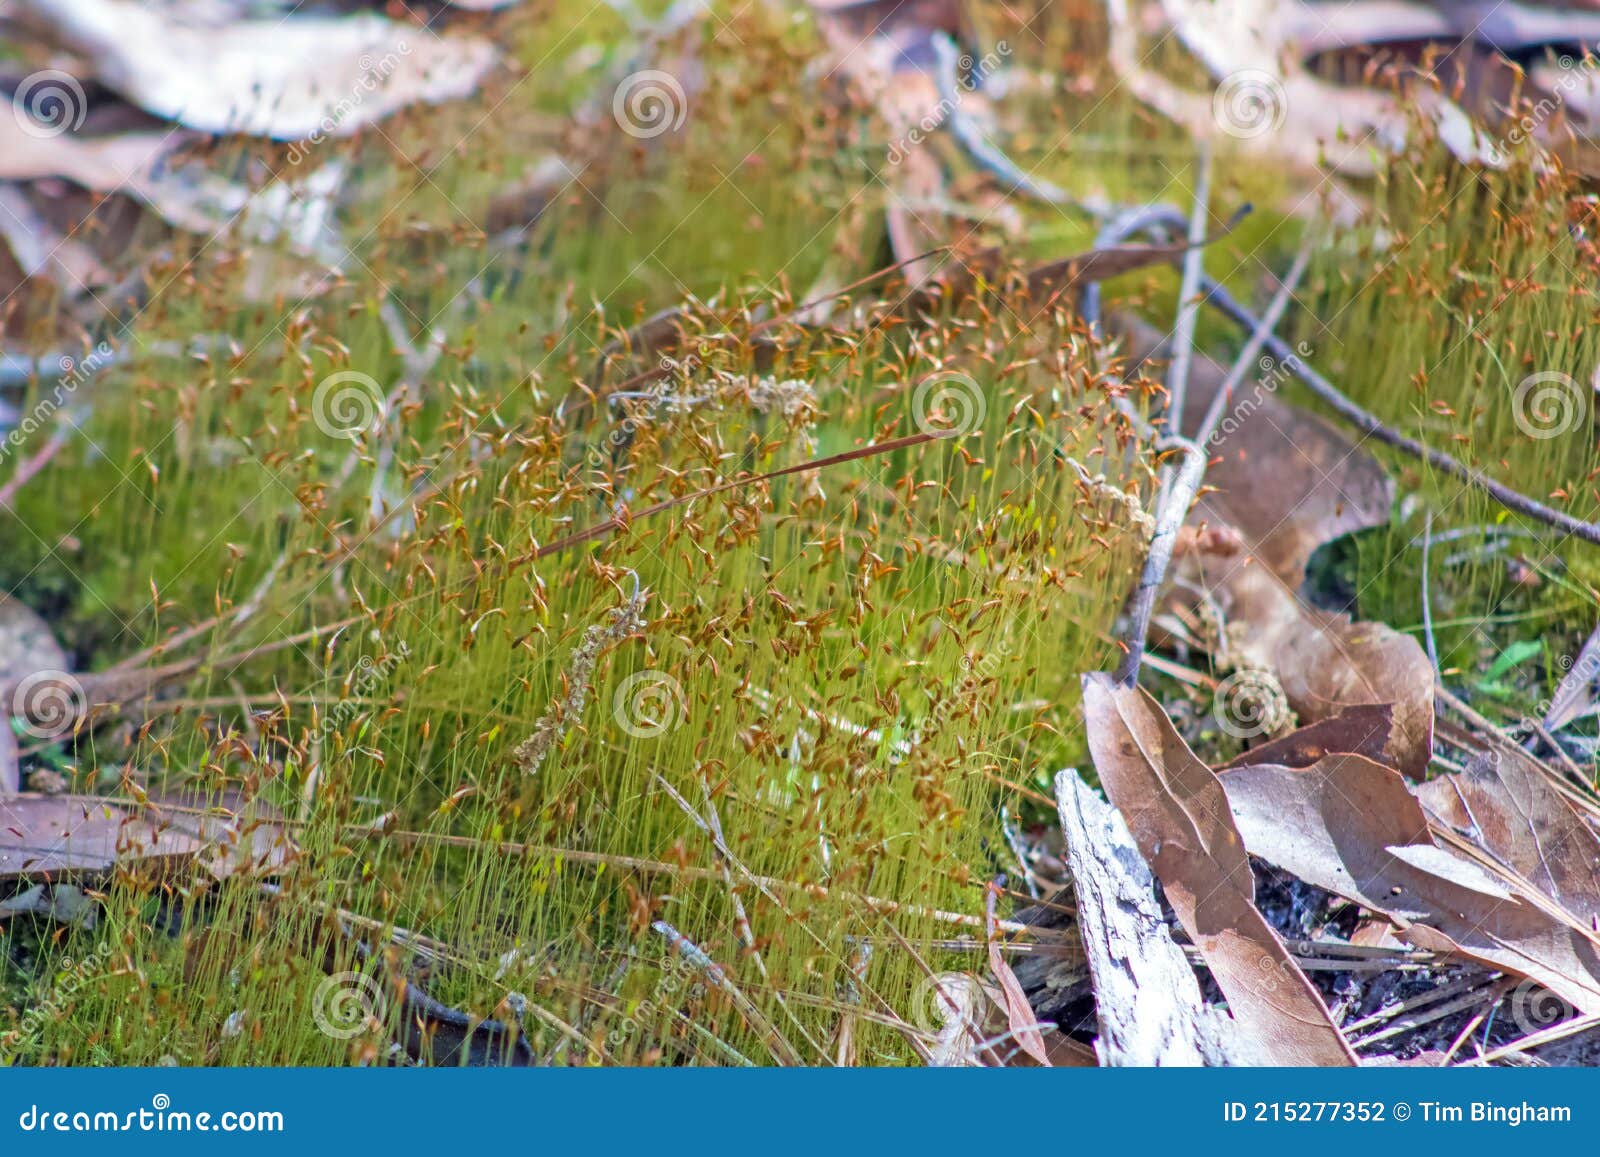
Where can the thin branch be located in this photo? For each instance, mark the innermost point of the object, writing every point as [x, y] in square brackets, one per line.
[969, 135]
[1427, 601]
[29, 467]
[1246, 360]
[1188, 299]
[1174, 508]
[1169, 219]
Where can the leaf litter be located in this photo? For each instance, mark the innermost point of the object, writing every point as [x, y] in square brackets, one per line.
[1264, 899]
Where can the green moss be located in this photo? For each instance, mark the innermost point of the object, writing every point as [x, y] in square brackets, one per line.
[858, 669]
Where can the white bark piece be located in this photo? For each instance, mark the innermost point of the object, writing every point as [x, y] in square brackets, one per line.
[1146, 995]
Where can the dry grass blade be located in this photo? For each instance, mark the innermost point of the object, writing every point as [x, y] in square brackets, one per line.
[622, 521]
[1019, 1014]
[696, 957]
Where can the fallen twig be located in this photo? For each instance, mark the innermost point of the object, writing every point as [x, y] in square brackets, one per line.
[1427, 599]
[29, 467]
[1188, 301]
[1174, 508]
[1169, 220]
[782, 1051]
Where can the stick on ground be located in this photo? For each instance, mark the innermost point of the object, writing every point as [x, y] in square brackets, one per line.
[1146, 995]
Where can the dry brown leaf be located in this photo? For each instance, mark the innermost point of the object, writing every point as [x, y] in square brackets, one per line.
[1352, 827]
[50, 837]
[1364, 730]
[303, 77]
[1020, 1019]
[1285, 479]
[1504, 804]
[240, 836]
[1324, 663]
[1178, 814]
[1286, 482]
